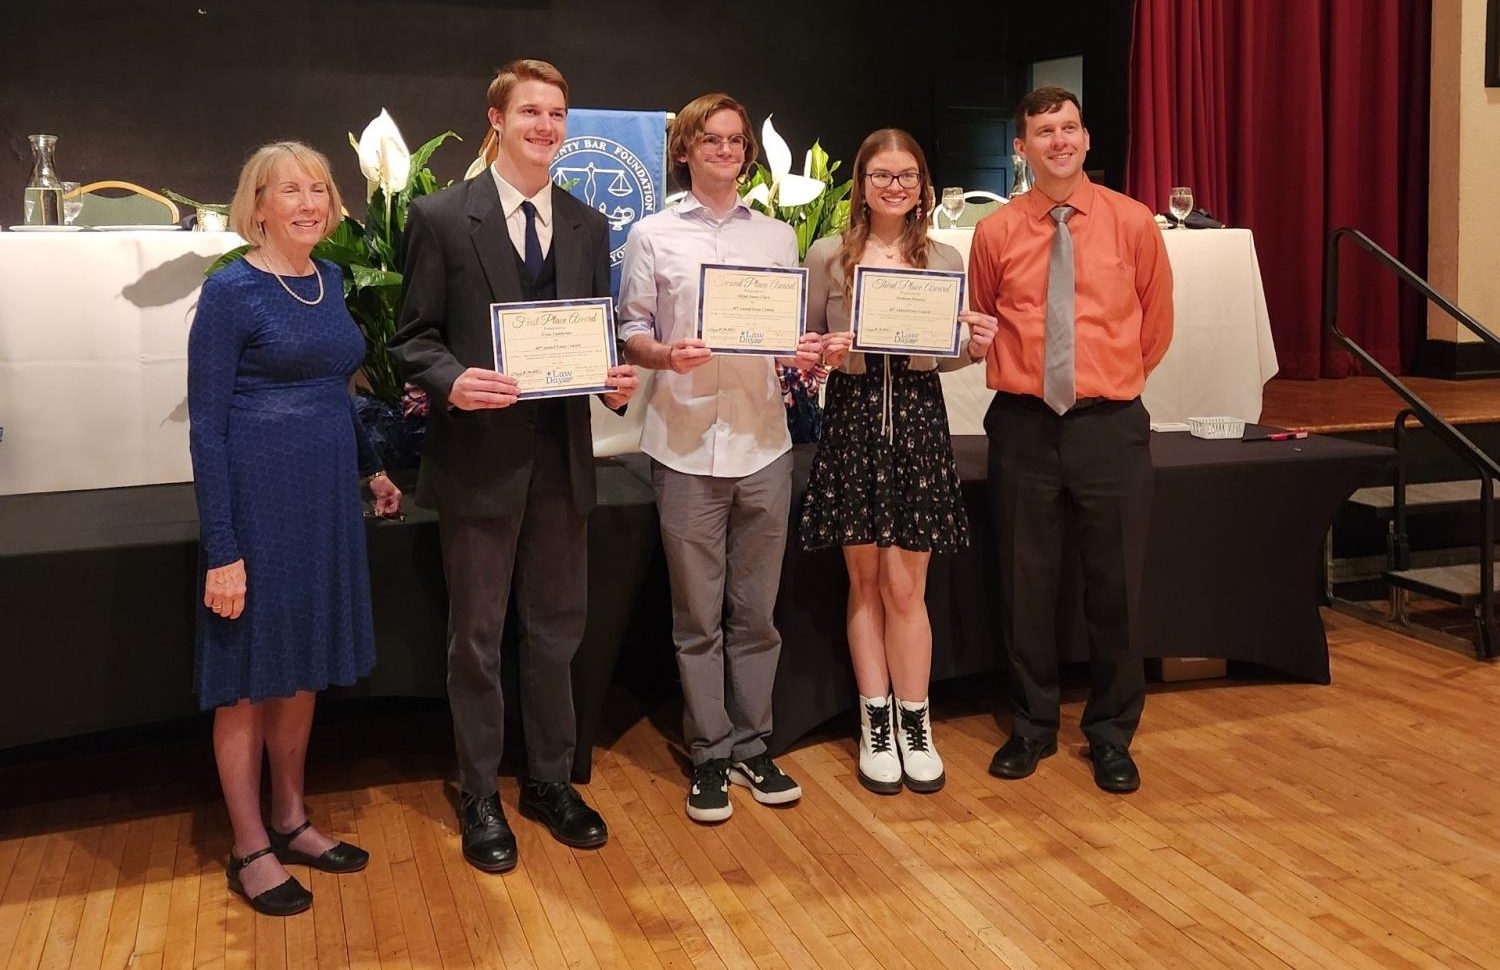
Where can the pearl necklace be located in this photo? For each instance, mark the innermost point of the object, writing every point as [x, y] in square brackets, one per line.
[291, 292]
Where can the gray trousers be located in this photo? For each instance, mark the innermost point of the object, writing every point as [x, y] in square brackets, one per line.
[544, 549]
[724, 539]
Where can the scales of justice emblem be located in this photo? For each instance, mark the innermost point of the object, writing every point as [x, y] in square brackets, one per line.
[608, 177]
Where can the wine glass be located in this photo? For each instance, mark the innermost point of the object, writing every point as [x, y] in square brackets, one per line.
[1180, 203]
[953, 204]
[72, 201]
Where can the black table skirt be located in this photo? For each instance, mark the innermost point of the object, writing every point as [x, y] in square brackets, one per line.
[97, 590]
[1232, 571]
[97, 594]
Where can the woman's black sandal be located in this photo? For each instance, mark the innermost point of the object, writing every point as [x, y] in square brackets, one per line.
[287, 899]
[341, 858]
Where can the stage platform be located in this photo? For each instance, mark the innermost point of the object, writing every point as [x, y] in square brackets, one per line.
[1359, 404]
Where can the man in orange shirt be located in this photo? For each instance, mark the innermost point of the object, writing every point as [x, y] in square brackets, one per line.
[1078, 277]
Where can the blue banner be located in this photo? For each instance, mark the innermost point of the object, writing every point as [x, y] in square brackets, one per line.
[616, 162]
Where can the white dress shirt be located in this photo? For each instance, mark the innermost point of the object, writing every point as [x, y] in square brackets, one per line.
[724, 418]
[515, 220]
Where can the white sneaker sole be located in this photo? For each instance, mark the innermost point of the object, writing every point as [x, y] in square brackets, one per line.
[710, 814]
[738, 777]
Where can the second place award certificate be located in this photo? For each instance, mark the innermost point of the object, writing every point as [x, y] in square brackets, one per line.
[752, 309]
[555, 347]
[907, 311]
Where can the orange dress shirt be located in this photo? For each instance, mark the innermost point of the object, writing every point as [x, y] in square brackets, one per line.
[1122, 283]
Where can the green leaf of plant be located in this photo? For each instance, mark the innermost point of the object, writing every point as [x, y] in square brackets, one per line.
[222, 208]
[366, 277]
[421, 155]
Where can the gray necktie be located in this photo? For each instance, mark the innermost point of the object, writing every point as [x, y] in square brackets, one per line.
[1058, 389]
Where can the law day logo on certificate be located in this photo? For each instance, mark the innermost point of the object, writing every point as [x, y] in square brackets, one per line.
[608, 177]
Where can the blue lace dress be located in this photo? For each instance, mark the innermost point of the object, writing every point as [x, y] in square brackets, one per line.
[277, 455]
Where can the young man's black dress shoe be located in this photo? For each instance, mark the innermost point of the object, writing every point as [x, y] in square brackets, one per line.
[341, 858]
[557, 805]
[488, 842]
[286, 899]
[1018, 756]
[1114, 769]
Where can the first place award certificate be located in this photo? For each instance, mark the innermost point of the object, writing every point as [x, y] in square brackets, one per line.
[907, 311]
[555, 348]
[752, 309]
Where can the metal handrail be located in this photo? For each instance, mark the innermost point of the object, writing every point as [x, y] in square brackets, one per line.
[1486, 467]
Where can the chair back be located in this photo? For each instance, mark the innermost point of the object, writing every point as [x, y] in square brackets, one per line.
[114, 203]
[977, 204]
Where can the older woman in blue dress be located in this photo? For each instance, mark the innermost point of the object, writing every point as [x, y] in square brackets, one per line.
[277, 458]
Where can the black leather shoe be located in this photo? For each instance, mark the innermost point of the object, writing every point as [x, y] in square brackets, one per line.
[1017, 757]
[341, 858]
[287, 899]
[489, 844]
[1114, 769]
[557, 805]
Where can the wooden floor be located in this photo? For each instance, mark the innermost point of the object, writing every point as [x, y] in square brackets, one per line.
[1279, 826]
[1366, 404]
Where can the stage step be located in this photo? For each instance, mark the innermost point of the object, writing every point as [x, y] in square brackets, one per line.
[1429, 497]
[1451, 584]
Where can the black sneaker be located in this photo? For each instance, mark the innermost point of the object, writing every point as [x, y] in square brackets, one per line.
[768, 783]
[708, 795]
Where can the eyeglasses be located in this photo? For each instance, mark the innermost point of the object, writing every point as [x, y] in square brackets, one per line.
[714, 142]
[883, 180]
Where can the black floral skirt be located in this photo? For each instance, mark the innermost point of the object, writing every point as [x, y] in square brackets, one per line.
[884, 473]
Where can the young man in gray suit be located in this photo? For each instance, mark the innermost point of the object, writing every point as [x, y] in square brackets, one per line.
[514, 480]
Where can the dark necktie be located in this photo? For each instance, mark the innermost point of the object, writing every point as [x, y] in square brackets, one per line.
[1057, 368]
[533, 242]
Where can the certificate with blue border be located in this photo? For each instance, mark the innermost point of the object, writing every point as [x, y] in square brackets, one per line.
[555, 348]
[752, 309]
[907, 311]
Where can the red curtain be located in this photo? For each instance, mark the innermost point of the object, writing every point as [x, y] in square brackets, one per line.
[1293, 118]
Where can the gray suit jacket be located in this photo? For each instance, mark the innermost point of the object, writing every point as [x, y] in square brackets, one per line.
[459, 260]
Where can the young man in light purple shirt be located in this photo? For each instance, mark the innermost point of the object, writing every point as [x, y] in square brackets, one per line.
[721, 462]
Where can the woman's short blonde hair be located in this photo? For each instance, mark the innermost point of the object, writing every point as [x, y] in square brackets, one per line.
[257, 172]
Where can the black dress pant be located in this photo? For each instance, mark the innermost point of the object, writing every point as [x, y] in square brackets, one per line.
[1075, 486]
[541, 550]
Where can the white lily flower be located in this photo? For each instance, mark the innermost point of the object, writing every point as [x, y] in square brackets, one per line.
[786, 188]
[383, 156]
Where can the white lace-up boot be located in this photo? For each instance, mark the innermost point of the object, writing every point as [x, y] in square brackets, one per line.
[879, 767]
[921, 766]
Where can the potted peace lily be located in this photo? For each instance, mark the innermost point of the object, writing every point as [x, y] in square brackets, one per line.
[815, 207]
[371, 255]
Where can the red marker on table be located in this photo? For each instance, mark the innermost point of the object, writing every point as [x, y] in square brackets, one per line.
[1279, 436]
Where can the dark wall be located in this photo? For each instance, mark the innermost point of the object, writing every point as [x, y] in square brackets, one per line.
[176, 92]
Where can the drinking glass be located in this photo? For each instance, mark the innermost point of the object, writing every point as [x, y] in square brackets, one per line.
[72, 202]
[953, 204]
[1180, 203]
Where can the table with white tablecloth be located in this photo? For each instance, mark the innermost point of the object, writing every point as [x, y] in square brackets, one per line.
[93, 356]
[1221, 354]
[93, 352]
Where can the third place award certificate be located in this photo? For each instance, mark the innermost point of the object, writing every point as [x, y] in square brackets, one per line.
[752, 309]
[907, 311]
[555, 347]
